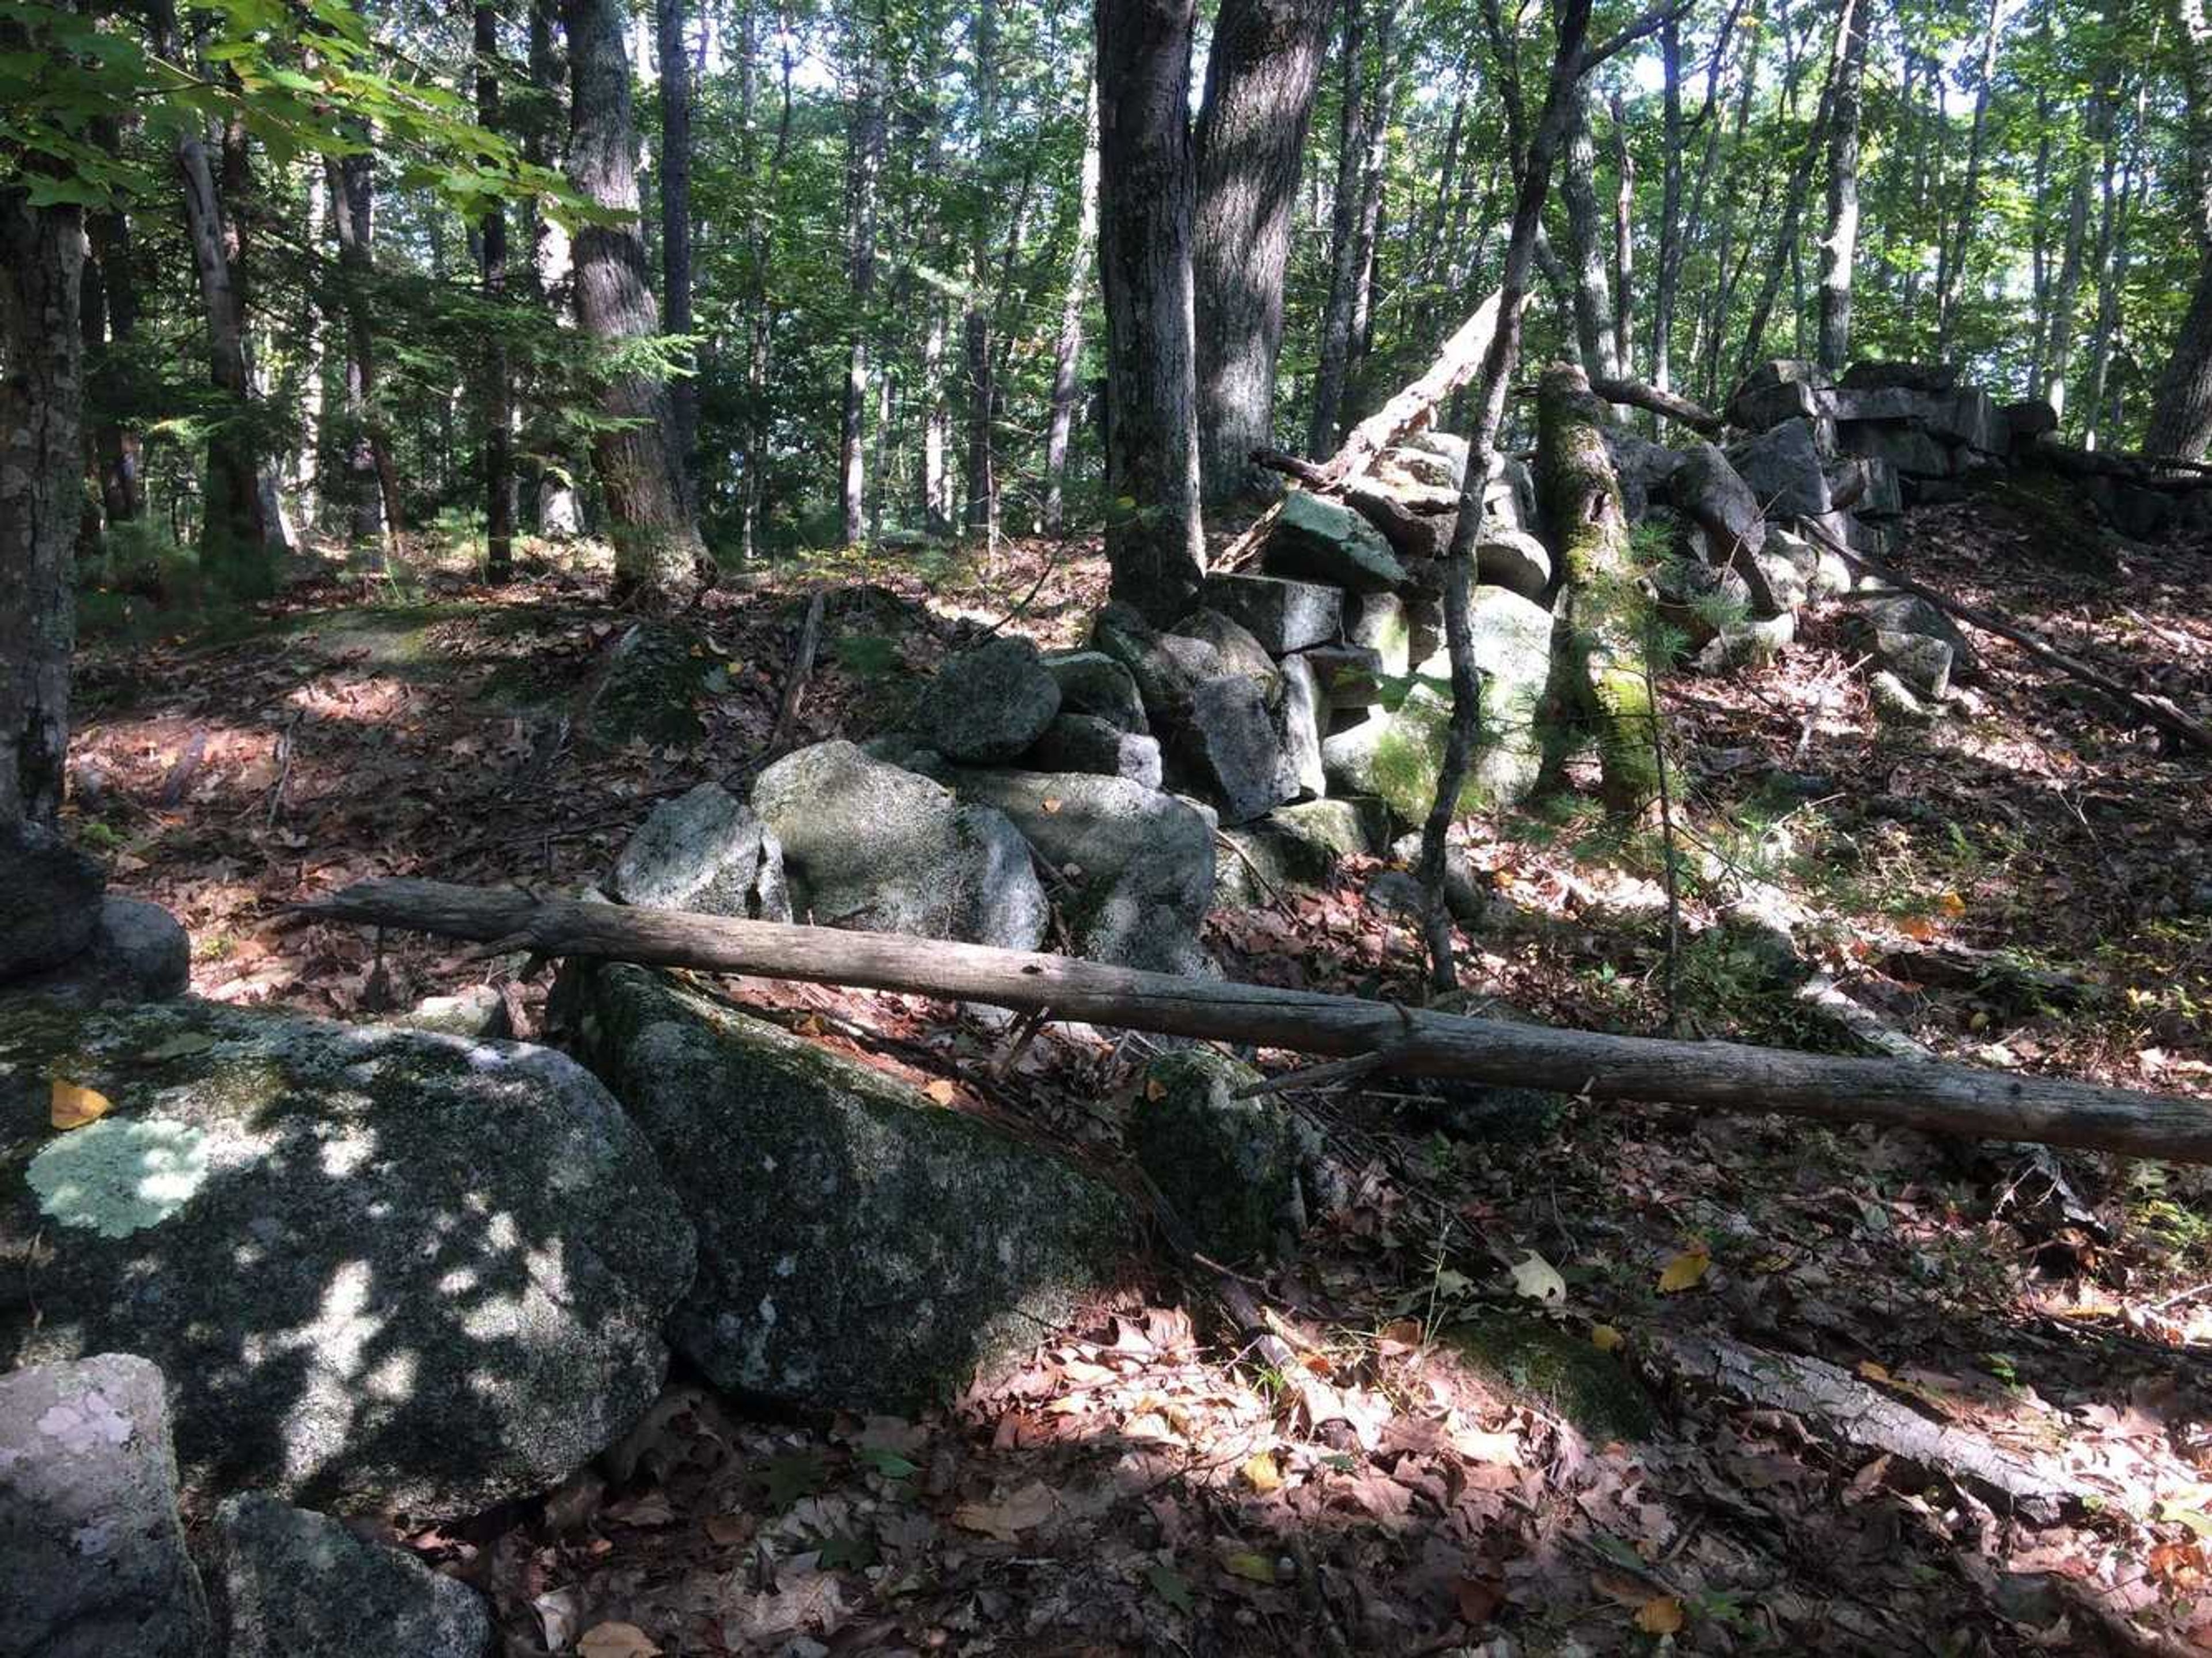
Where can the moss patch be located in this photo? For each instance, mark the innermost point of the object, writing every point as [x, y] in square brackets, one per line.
[1559, 1371]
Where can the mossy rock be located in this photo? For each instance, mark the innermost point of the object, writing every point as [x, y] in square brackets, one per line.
[1227, 1167]
[1561, 1372]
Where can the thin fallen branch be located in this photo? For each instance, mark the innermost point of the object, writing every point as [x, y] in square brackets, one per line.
[1641, 395]
[1944, 1098]
[802, 670]
[2159, 711]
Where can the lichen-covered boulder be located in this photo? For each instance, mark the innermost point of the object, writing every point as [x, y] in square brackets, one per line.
[988, 704]
[1783, 466]
[92, 1562]
[1089, 742]
[870, 846]
[1316, 539]
[860, 1247]
[1227, 1167]
[382, 1269]
[49, 899]
[1230, 747]
[705, 850]
[1240, 652]
[1513, 560]
[1301, 710]
[1093, 682]
[295, 1584]
[1140, 862]
[1558, 1371]
[1165, 667]
[1297, 846]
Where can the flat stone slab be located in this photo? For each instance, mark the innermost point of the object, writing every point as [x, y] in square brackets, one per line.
[1284, 615]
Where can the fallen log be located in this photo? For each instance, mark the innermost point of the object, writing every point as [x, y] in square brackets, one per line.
[1728, 1075]
[1642, 395]
[2161, 711]
[2149, 471]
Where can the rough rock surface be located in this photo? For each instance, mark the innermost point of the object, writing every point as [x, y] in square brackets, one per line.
[1348, 675]
[92, 1562]
[1380, 622]
[1141, 862]
[1300, 714]
[292, 1584]
[706, 850]
[1297, 846]
[870, 845]
[860, 1247]
[1090, 743]
[139, 953]
[1783, 466]
[1315, 539]
[1283, 615]
[1227, 1167]
[988, 704]
[1233, 643]
[1092, 683]
[381, 1268]
[1165, 667]
[49, 899]
[1513, 560]
[1231, 748]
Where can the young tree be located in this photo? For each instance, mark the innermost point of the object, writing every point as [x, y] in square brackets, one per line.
[673, 56]
[864, 160]
[1068, 345]
[658, 558]
[1578, 186]
[498, 389]
[1260, 73]
[1153, 539]
[1361, 129]
[1839, 244]
[372, 474]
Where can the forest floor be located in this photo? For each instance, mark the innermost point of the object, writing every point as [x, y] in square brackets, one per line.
[1586, 1466]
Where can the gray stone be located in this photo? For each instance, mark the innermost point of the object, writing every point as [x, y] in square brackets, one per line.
[705, 850]
[1782, 465]
[382, 1270]
[1380, 622]
[1922, 663]
[139, 953]
[1447, 446]
[1231, 748]
[1641, 467]
[1297, 846]
[860, 1247]
[1753, 641]
[49, 899]
[92, 1562]
[2027, 420]
[1234, 647]
[1396, 892]
[1316, 539]
[907, 752]
[1909, 613]
[1087, 743]
[292, 1584]
[477, 1013]
[1774, 391]
[1349, 676]
[1228, 1168]
[1092, 683]
[1709, 490]
[1905, 447]
[1892, 700]
[1300, 712]
[1438, 470]
[1508, 494]
[1283, 615]
[868, 846]
[1873, 374]
[1971, 417]
[988, 704]
[1883, 404]
[1878, 491]
[1513, 560]
[1140, 862]
[1165, 667]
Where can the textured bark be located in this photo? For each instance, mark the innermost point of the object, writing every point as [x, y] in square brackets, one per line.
[1839, 244]
[498, 384]
[1672, 231]
[1624, 244]
[2181, 408]
[1951, 256]
[1153, 540]
[2066, 291]
[659, 559]
[1608, 676]
[1794, 195]
[1352, 140]
[1259, 77]
[1585, 243]
[2115, 219]
[1068, 345]
[675, 66]
[976, 380]
[864, 160]
[41, 469]
[109, 330]
[372, 476]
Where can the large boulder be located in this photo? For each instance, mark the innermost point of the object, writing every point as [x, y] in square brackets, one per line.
[1641, 468]
[1228, 1166]
[988, 704]
[1513, 560]
[1874, 375]
[1322, 540]
[1712, 494]
[1238, 651]
[92, 1563]
[1283, 615]
[382, 1270]
[139, 953]
[1783, 467]
[705, 850]
[49, 899]
[1090, 742]
[1301, 711]
[1141, 862]
[1903, 443]
[860, 1247]
[295, 1584]
[1092, 683]
[870, 845]
[1164, 667]
[1776, 390]
[1230, 748]
[1381, 622]
[1300, 845]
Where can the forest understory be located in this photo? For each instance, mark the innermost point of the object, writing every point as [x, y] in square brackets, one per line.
[1520, 1418]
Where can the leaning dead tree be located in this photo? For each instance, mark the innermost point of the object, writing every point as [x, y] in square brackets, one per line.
[1378, 1037]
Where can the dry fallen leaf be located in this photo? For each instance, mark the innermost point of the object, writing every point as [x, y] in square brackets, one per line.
[1260, 1469]
[942, 1091]
[1659, 1616]
[1156, 1090]
[1606, 1339]
[1685, 1270]
[1030, 1506]
[1538, 1279]
[615, 1641]
[75, 1105]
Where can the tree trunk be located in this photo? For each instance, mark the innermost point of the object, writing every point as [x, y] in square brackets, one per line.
[1586, 246]
[372, 476]
[499, 391]
[2181, 408]
[1672, 231]
[1259, 77]
[1840, 244]
[2058, 359]
[115, 447]
[41, 473]
[1794, 195]
[1344, 235]
[1951, 256]
[1624, 244]
[675, 65]
[1153, 540]
[1367, 238]
[864, 154]
[659, 559]
[1067, 346]
[2115, 219]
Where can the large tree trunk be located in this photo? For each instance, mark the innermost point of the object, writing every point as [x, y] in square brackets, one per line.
[1839, 243]
[1068, 345]
[1727, 1076]
[498, 390]
[1624, 244]
[41, 470]
[1585, 245]
[1672, 231]
[864, 154]
[1783, 252]
[371, 473]
[1153, 540]
[675, 64]
[2181, 408]
[659, 559]
[1259, 77]
[2115, 219]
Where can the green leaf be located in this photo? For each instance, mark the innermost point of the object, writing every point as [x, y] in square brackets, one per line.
[886, 1462]
[1170, 1585]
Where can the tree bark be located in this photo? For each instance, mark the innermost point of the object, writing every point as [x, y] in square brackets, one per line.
[864, 154]
[2058, 359]
[2181, 407]
[1794, 195]
[659, 559]
[1352, 143]
[1068, 345]
[1624, 245]
[1727, 1076]
[1951, 259]
[1260, 73]
[498, 388]
[1839, 244]
[1586, 246]
[675, 66]
[371, 474]
[116, 447]
[1672, 230]
[41, 473]
[1153, 540]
